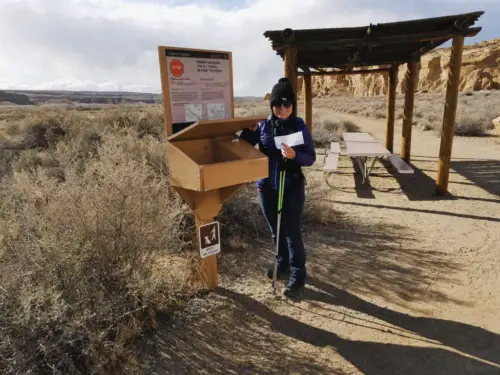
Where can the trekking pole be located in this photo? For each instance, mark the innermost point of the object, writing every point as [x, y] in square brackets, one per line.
[280, 206]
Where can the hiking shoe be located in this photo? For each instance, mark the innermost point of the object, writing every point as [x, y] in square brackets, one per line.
[292, 289]
[281, 272]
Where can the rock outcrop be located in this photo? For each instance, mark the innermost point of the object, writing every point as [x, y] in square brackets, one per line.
[496, 122]
[480, 71]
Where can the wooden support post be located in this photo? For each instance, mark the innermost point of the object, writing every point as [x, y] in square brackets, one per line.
[208, 266]
[448, 128]
[391, 107]
[410, 80]
[308, 101]
[291, 66]
[206, 206]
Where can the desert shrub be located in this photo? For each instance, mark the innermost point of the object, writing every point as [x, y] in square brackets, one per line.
[349, 126]
[29, 160]
[13, 129]
[354, 110]
[315, 210]
[42, 128]
[428, 111]
[418, 114]
[327, 129]
[7, 160]
[77, 261]
[253, 109]
[242, 218]
[425, 125]
[472, 125]
[151, 124]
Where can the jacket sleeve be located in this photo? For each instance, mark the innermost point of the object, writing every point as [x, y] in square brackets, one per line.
[251, 137]
[305, 154]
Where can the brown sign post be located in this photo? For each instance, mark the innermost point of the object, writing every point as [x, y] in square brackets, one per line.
[207, 161]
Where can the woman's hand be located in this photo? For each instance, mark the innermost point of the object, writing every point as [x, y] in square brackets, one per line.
[288, 152]
[253, 127]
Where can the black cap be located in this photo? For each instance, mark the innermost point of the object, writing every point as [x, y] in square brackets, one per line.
[283, 93]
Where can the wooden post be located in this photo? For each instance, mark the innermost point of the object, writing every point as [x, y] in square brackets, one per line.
[410, 79]
[448, 128]
[391, 107]
[291, 66]
[208, 266]
[206, 206]
[308, 101]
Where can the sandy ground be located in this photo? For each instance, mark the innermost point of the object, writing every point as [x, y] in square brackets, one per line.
[400, 281]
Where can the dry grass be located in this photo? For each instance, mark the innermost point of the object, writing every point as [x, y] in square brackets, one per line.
[78, 251]
[94, 241]
[328, 129]
[475, 111]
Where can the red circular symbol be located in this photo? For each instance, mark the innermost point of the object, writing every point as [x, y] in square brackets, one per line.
[176, 68]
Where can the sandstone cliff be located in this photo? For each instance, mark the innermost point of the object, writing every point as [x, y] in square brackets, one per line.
[480, 71]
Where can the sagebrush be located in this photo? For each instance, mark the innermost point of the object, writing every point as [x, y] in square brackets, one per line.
[94, 240]
[475, 110]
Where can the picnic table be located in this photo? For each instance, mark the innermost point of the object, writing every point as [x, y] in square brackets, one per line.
[360, 147]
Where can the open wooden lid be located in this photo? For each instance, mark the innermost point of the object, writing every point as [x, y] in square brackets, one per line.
[214, 128]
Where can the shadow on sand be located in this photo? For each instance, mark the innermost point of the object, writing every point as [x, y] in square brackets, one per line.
[422, 187]
[483, 173]
[383, 358]
[381, 261]
[232, 332]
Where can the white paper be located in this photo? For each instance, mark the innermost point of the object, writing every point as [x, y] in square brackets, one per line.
[294, 139]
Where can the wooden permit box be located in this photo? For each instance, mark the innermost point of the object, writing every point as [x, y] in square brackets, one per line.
[208, 155]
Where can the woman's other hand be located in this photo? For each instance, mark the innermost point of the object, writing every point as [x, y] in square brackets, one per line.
[288, 152]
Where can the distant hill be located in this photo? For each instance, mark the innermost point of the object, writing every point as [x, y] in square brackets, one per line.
[14, 98]
[79, 97]
[37, 97]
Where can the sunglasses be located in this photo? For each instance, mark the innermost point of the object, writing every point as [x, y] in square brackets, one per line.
[282, 104]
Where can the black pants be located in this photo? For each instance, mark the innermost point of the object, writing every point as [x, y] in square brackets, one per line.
[291, 248]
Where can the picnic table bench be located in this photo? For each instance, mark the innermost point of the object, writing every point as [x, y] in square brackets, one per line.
[332, 157]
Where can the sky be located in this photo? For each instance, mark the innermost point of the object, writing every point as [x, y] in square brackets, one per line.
[112, 45]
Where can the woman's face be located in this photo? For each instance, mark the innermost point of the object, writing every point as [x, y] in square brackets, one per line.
[283, 111]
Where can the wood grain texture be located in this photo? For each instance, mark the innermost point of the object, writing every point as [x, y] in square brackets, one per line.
[241, 149]
[308, 101]
[165, 91]
[391, 107]
[410, 80]
[182, 168]
[449, 117]
[236, 172]
[290, 64]
[215, 128]
[201, 151]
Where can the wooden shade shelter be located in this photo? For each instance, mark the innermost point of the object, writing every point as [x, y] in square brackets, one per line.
[381, 48]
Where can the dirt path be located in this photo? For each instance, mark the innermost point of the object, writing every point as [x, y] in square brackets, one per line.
[400, 282]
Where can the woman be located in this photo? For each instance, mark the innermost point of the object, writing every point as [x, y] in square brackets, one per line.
[282, 121]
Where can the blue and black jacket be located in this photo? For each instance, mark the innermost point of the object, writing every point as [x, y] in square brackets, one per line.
[264, 137]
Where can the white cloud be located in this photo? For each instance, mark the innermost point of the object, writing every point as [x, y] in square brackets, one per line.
[112, 44]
